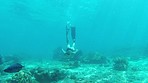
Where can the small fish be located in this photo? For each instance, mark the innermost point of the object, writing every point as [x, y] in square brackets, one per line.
[13, 68]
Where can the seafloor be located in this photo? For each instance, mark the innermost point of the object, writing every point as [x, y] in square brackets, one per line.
[114, 70]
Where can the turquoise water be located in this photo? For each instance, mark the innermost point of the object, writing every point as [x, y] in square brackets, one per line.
[37, 27]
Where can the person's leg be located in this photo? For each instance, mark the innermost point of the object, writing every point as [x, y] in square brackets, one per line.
[73, 34]
[67, 32]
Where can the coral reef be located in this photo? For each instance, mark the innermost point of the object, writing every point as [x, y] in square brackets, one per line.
[94, 58]
[74, 72]
[43, 75]
[22, 77]
[120, 64]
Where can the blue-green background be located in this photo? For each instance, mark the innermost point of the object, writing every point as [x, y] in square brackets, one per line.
[36, 27]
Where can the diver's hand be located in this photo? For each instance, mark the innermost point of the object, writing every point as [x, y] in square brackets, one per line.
[63, 51]
[76, 50]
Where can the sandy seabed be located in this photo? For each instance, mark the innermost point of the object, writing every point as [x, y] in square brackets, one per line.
[67, 72]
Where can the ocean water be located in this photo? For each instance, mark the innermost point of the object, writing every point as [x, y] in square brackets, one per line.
[37, 27]
[112, 36]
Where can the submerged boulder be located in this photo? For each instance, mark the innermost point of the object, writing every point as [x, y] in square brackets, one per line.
[45, 75]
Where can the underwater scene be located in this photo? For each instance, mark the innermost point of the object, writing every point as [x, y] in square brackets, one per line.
[73, 41]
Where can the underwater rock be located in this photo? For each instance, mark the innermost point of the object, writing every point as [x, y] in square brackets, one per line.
[44, 75]
[120, 64]
[22, 77]
[94, 58]
[13, 68]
